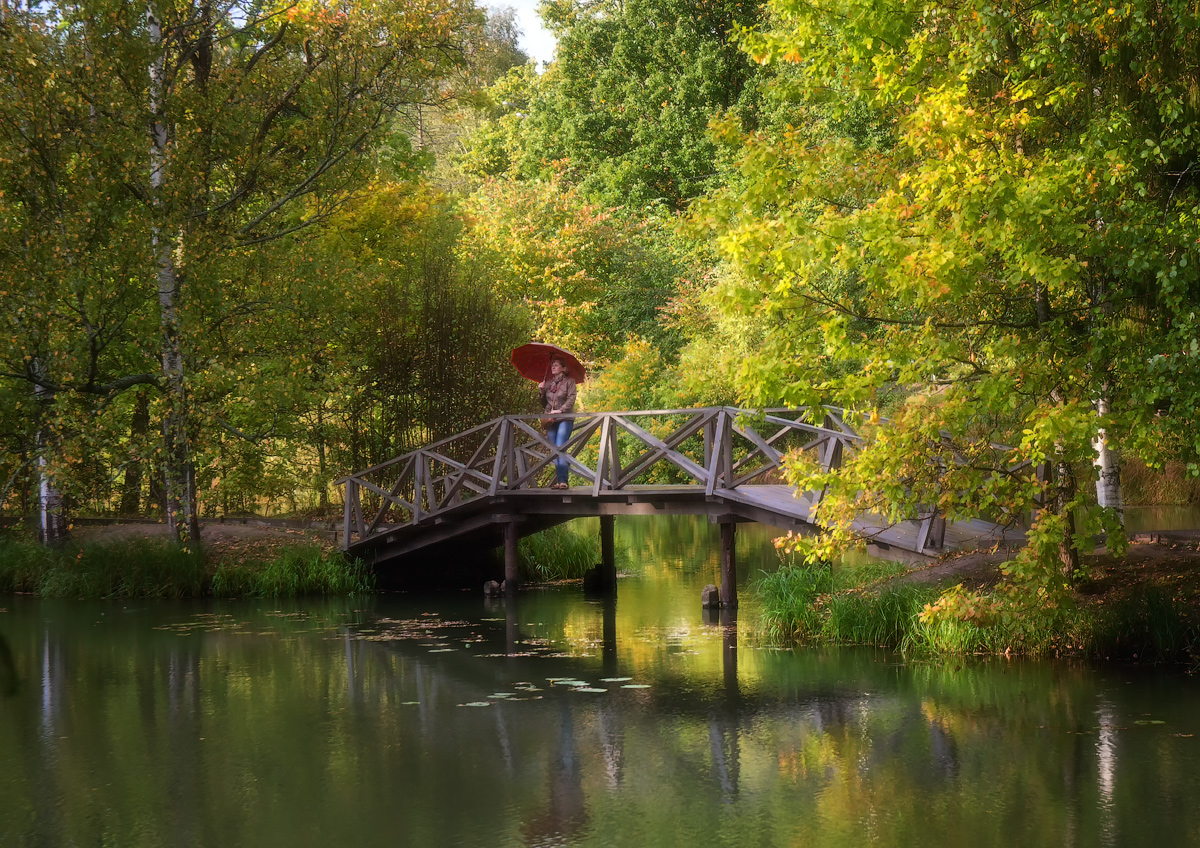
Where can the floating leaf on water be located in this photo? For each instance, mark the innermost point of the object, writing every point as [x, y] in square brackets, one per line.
[477, 704]
[491, 619]
[587, 689]
[409, 703]
[1149, 721]
[501, 694]
[442, 650]
[636, 686]
[1184, 735]
[614, 679]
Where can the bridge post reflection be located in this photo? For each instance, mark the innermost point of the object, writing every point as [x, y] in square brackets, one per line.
[609, 643]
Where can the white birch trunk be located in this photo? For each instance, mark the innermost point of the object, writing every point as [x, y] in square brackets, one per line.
[1108, 463]
[52, 523]
[180, 509]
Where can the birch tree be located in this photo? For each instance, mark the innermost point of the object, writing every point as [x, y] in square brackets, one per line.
[216, 126]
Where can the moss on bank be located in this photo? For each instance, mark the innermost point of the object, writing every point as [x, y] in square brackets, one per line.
[156, 568]
[1144, 608]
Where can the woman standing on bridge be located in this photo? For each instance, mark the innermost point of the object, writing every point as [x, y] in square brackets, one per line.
[557, 395]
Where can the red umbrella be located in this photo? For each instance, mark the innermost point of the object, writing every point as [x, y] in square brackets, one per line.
[533, 361]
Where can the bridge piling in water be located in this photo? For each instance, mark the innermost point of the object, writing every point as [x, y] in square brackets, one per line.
[729, 598]
[511, 570]
[608, 557]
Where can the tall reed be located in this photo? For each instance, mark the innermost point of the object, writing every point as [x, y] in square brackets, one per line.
[157, 568]
[560, 553]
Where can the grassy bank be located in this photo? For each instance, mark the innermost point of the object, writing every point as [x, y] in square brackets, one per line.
[1145, 607]
[155, 568]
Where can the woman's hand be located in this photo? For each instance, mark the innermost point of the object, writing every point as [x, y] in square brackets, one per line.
[555, 411]
[542, 384]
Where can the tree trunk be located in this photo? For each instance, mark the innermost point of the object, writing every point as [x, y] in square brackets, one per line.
[1108, 463]
[139, 425]
[1064, 493]
[322, 462]
[52, 523]
[180, 505]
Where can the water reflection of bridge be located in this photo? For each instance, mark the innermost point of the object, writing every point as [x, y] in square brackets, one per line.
[150, 716]
[480, 488]
[726, 709]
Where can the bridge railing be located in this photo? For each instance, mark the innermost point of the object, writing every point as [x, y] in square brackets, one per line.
[713, 448]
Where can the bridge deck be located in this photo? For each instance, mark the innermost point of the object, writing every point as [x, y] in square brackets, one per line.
[482, 520]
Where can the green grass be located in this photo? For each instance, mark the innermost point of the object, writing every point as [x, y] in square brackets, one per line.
[819, 605]
[307, 570]
[560, 553]
[823, 604]
[154, 568]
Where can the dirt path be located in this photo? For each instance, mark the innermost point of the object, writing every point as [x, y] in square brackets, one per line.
[1163, 558]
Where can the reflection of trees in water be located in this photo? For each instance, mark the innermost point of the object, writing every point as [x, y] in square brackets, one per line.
[691, 543]
[8, 670]
[836, 739]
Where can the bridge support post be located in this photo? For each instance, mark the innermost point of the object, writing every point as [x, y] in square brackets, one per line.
[608, 557]
[511, 573]
[728, 566]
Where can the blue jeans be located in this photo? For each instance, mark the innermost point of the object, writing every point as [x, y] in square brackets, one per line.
[559, 432]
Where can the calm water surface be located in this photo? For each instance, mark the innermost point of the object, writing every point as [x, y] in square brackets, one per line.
[562, 721]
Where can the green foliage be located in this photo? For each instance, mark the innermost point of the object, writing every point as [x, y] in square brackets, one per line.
[848, 606]
[591, 277]
[147, 568]
[158, 568]
[625, 106]
[560, 553]
[981, 220]
[308, 570]
[822, 603]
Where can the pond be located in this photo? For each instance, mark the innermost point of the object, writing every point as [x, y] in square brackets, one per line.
[559, 720]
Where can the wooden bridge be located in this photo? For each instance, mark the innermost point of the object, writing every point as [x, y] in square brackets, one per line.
[487, 486]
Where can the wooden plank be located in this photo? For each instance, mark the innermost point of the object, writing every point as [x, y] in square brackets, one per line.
[654, 453]
[714, 464]
[418, 488]
[366, 484]
[356, 511]
[759, 442]
[430, 489]
[602, 455]
[502, 448]
[663, 450]
[468, 467]
[577, 440]
[390, 499]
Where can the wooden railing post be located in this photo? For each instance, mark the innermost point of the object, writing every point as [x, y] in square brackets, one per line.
[725, 448]
[603, 457]
[351, 486]
[931, 534]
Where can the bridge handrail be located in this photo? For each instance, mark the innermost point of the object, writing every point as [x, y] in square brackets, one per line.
[846, 433]
[510, 452]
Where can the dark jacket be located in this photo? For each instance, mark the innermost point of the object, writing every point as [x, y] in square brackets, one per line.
[558, 394]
